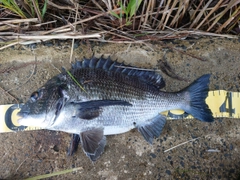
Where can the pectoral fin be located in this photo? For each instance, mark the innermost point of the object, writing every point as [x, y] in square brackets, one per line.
[92, 109]
[89, 113]
[93, 142]
[152, 128]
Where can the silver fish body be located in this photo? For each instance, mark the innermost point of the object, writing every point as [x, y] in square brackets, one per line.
[117, 118]
[98, 98]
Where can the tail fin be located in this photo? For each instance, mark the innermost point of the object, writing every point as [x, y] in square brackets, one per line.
[197, 92]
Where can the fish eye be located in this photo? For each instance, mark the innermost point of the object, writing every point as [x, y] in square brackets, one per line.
[34, 96]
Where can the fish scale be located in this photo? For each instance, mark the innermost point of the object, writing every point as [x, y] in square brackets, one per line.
[113, 99]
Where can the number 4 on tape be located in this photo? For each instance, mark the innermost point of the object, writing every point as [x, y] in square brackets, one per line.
[224, 104]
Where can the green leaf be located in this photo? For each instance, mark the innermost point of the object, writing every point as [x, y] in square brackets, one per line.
[44, 9]
[123, 8]
[133, 6]
[31, 6]
[128, 23]
[114, 14]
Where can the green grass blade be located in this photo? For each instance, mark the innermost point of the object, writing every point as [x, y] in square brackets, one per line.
[54, 174]
[115, 14]
[133, 6]
[12, 6]
[44, 9]
[73, 78]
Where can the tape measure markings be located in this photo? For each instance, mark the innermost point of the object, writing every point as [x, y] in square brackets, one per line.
[222, 104]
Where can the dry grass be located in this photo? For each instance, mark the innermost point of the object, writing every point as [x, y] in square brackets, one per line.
[119, 20]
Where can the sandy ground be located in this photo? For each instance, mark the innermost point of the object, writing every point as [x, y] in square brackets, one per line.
[126, 156]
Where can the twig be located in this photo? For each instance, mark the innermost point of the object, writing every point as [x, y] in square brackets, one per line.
[96, 3]
[9, 94]
[9, 45]
[37, 10]
[17, 21]
[76, 23]
[213, 150]
[60, 7]
[55, 68]
[21, 164]
[193, 56]
[182, 52]
[17, 68]
[142, 69]
[119, 42]
[58, 36]
[124, 34]
[128, 48]
[7, 69]
[26, 80]
[181, 144]
[39, 38]
[71, 54]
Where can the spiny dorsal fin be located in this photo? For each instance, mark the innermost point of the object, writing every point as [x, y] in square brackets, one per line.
[146, 76]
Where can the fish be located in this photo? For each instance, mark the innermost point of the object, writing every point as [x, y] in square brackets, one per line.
[99, 97]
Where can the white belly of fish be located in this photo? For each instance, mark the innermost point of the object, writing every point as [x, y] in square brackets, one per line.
[116, 130]
[114, 119]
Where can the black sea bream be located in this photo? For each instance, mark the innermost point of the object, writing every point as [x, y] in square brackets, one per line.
[99, 97]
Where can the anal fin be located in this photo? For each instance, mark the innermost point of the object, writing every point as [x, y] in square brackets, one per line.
[152, 128]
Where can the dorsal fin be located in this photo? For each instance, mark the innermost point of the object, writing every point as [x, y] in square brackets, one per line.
[146, 76]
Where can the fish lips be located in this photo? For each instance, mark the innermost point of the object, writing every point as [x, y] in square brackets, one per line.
[22, 114]
[31, 120]
[23, 120]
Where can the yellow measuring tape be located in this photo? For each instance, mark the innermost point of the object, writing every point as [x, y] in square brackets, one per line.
[222, 104]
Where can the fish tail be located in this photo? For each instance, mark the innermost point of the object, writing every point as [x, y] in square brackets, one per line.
[197, 93]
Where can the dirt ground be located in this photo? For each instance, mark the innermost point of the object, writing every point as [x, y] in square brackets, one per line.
[127, 156]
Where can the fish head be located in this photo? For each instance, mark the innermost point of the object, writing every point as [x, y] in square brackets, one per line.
[45, 104]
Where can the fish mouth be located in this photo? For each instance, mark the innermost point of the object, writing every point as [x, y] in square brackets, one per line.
[34, 120]
[26, 119]
[22, 114]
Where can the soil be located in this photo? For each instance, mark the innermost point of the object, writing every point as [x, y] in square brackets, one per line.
[24, 69]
